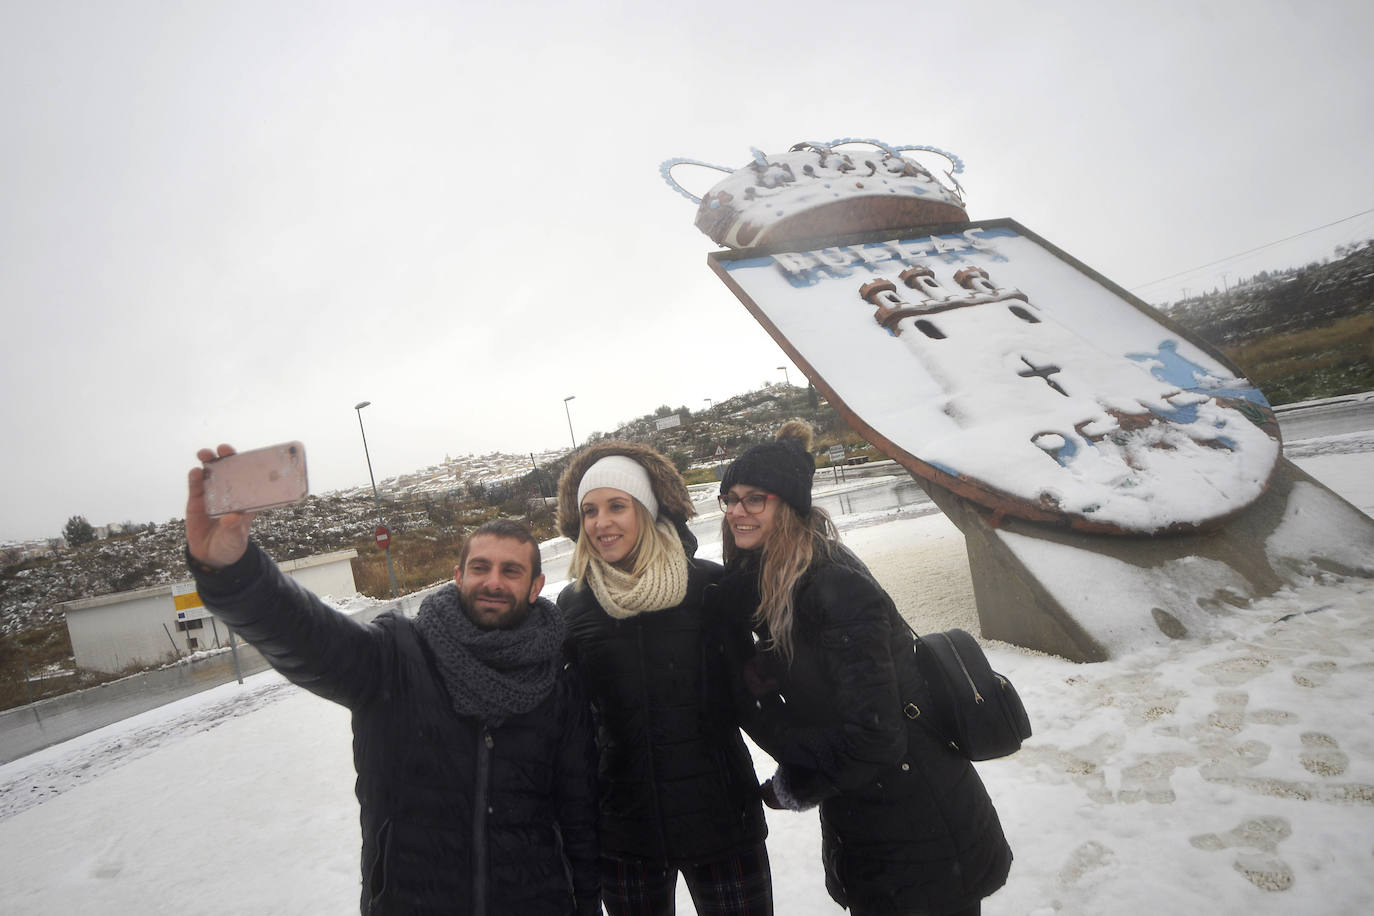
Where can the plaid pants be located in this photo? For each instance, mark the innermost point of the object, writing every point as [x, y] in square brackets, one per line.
[738, 885]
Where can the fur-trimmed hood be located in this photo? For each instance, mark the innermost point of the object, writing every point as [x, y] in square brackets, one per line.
[669, 489]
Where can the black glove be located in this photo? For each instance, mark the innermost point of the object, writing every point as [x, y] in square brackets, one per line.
[770, 797]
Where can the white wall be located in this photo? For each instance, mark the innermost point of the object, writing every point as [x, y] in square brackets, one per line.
[113, 632]
[327, 574]
[112, 636]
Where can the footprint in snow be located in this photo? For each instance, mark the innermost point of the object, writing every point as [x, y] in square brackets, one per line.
[1261, 866]
[1314, 674]
[1088, 857]
[1321, 755]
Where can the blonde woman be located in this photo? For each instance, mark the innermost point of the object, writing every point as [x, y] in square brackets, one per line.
[906, 825]
[678, 793]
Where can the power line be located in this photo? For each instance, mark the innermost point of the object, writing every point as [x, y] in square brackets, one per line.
[1290, 238]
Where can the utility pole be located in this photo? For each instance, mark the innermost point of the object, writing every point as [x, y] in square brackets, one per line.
[381, 526]
[569, 415]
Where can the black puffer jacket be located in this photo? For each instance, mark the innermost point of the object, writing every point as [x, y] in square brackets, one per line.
[677, 783]
[906, 824]
[458, 817]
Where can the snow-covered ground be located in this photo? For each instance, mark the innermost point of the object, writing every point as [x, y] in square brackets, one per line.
[1235, 776]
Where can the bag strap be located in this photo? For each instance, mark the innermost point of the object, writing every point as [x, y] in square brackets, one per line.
[916, 708]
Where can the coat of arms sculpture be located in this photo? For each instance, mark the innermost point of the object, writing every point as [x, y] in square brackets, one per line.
[978, 355]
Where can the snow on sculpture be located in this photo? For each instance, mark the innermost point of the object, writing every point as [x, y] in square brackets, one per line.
[817, 189]
[981, 357]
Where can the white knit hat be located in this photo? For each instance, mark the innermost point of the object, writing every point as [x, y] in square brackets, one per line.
[620, 473]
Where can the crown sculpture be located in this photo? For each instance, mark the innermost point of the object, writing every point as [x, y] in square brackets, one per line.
[815, 190]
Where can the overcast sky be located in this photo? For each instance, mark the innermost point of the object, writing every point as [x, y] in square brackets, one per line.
[234, 221]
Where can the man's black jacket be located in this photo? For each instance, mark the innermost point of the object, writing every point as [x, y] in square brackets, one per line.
[458, 816]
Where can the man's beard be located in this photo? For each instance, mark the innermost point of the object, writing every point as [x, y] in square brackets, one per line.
[514, 615]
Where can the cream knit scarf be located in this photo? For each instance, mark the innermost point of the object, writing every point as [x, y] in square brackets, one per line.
[661, 586]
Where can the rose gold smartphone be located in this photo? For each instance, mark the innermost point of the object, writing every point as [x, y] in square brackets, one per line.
[252, 481]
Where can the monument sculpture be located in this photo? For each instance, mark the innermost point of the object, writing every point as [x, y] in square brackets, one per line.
[1068, 429]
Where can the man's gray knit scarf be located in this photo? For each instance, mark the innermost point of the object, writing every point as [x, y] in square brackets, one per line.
[492, 674]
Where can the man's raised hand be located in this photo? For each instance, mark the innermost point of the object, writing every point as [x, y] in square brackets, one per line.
[216, 542]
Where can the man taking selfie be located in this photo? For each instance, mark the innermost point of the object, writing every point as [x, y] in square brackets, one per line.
[472, 742]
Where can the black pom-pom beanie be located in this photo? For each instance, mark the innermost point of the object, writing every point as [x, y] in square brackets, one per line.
[783, 467]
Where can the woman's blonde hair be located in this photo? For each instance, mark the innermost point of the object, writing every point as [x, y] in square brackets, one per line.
[794, 543]
[655, 543]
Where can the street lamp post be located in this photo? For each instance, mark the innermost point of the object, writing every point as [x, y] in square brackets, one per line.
[785, 379]
[390, 572]
[569, 415]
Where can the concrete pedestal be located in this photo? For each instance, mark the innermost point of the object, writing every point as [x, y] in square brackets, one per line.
[1060, 591]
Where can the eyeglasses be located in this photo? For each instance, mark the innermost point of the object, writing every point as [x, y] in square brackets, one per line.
[753, 502]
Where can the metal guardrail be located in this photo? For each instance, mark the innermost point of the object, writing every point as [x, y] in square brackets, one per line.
[1362, 397]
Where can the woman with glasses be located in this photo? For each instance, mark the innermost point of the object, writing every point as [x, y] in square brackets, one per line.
[906, 825]
[678, 791]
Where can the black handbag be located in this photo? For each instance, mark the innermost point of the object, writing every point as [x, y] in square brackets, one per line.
[968, 704]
